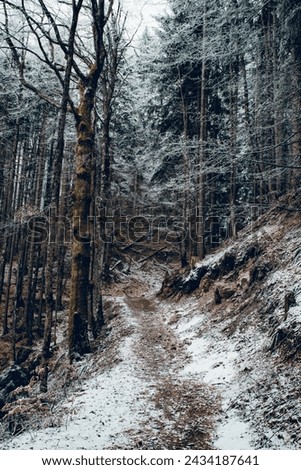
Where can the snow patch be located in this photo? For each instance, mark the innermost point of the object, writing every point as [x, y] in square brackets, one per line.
[215, 360]
[101, 413]
[233, 434]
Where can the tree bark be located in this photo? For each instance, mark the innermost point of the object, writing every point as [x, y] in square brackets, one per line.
[82, 196]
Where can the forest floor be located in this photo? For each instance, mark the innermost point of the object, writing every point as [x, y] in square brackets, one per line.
[185, 372]
[133, 395]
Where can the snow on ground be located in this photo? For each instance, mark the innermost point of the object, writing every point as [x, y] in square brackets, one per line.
[112, 406]
[132, 400]
[230, 345]
[168, 347]
[102, 412]
[213, 361]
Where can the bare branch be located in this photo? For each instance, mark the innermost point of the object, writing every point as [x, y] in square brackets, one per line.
[39, 93]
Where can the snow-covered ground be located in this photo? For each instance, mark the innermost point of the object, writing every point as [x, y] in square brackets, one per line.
[179, 366]
[102, 411]
[112, 407]
[213, 360]
[231, 345]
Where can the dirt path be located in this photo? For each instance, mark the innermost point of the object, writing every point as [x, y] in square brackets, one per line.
[185, 406]
[131, 395]
[164, 375]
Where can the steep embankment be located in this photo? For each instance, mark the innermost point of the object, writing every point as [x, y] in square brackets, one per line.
[245, 329]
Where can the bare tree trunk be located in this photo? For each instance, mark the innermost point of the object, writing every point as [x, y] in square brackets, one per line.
[233, 144]
[185, 242]
[78, 319]
[8, 283]
[106, 190]
[18, 301]
[28, 303]
[278, 112]
[200, 203]
[57, 171]
[296, 124]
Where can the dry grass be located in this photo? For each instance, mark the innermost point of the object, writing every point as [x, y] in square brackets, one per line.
[188, 409]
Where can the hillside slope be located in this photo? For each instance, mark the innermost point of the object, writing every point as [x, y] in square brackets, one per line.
[244, 327]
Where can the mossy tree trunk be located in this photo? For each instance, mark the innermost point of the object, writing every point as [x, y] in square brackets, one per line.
[81, 223]
[80, 264]
[82, 189]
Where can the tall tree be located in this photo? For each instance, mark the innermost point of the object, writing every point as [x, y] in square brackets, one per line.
[70, 59]
[290, 11]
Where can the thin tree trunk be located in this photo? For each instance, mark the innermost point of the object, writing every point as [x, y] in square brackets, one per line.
[296, 124]
[18, 301]
[8, 284]
[233, 145]
[200, 203]
[28, 303]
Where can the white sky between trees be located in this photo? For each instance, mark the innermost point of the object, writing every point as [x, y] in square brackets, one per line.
[141, 13]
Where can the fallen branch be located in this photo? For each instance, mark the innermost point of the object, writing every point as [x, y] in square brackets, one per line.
[115, 265]
[153, 254]
[140, 239]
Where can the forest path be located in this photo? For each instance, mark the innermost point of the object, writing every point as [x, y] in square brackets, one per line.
[134, 392]
[194, 371]
[130, 394]
[184, 406]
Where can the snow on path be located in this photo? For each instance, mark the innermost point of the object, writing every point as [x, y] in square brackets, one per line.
[213, 359]
[113, 407]
[106, 408]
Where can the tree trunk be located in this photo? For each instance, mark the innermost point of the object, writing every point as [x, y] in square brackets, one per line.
[233, 144]
[296, 124]
[80, 264]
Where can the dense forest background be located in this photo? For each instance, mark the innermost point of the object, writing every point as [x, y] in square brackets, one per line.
[179, 141]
